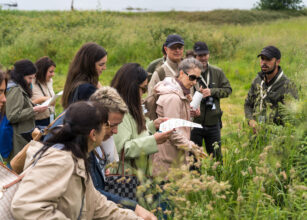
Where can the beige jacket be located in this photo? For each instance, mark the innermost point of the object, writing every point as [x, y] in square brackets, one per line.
[54, 188]
[169, 68]
[38, 93]
[172, 104]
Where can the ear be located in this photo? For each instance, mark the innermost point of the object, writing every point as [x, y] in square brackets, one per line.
[278, 62]
[92, 135]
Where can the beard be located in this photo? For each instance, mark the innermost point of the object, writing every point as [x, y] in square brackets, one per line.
[269, 71]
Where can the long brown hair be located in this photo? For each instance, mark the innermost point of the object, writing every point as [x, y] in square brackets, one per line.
[127, 82]
[82, 69]
[42, 65]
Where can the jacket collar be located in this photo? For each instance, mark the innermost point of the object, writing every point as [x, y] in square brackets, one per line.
[172, 64]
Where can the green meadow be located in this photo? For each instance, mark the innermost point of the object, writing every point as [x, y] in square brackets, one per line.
[263, 176]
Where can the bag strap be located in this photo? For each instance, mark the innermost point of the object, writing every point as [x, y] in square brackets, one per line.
[46, 130]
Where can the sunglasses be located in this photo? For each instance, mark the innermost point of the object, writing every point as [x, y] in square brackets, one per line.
[144, 89]
[192, 77]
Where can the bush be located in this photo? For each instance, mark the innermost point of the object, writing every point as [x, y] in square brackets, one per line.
[280, 4]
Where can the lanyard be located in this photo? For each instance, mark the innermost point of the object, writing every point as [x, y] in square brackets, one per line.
[173, 72]
[208, 78]
[263, 93]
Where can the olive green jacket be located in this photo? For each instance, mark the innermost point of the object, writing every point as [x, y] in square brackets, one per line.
[279, 88]
[220, 88]
[155, 64]
[20, 113]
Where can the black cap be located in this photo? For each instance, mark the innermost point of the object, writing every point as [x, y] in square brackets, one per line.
[270, 52]
[25, 67]
[200, 48]
[173, 39]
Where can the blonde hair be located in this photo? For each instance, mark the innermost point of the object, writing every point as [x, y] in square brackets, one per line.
[110, 98]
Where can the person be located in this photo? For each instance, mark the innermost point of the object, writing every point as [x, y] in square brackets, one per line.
[4, 130]
[189, 54]
[66, 191]
[3, 83]
[156, 63]
[43, 89]
[102, 155]
[83, 74]
[20, 111]
[213, 85]
[174, 47]
[174, 102]
[137, 135]
[268, 89]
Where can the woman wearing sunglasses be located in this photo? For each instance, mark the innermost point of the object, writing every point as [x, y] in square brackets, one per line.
[174, 102]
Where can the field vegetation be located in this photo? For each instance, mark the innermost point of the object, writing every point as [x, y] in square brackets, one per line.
[263, 176]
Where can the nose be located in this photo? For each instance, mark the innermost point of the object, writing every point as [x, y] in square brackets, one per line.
[3, 98]
[114, 130]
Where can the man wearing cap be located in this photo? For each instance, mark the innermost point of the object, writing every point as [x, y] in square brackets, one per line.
[268, 89]
[173, 46]
[213, 85]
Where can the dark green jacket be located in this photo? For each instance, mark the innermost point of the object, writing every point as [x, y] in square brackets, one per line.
[276, 95]
[20, 113]
[220, 88]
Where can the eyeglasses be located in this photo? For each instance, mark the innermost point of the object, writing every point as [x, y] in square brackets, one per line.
[176, 46]
[192, 77]
[144, 89]
[108, 125]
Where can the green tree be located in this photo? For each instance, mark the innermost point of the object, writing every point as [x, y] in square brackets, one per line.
[280, 4]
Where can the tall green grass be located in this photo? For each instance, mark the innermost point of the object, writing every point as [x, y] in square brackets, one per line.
[264, 175]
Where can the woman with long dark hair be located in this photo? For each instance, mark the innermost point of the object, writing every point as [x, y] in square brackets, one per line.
[136, 135]
[83, 74]
[57, 184]
[20, 111]
[43, 89]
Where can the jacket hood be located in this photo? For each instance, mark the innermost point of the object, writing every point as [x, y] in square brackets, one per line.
[169, 86]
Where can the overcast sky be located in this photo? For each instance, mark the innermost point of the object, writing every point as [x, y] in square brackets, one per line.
[118, 5]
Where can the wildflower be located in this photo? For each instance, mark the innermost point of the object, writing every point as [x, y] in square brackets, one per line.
[250, 170]
[244, 173]
[277, 165]
[209, 207]
[283, 174]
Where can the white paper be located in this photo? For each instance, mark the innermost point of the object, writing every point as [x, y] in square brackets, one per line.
[176, 123]
[52, 99]
[197, 97]
[109, 150]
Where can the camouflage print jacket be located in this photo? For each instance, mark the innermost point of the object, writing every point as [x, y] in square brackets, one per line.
[273, 93]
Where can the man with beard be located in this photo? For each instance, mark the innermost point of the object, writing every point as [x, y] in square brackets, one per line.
[268, 89]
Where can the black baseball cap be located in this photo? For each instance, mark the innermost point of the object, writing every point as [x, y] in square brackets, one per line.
[270, 52]
[200, 48]
[173, 39]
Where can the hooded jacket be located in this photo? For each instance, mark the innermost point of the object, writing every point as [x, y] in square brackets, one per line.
[172, 103]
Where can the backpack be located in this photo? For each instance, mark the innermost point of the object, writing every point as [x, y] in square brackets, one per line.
[151, 106]
[161, 74]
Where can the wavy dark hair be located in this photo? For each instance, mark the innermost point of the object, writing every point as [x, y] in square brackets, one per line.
[42, 65]
[82, 69]
[21, 69]
[127, 82]
[80, 118]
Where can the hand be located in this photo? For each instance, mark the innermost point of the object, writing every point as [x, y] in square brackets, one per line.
[158, 121]
[39, 108]
[253, 124]
[195, 112]
[107, 171]
[206, 92]
[143, 213]
[161, 137]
